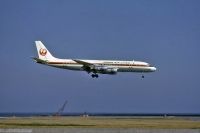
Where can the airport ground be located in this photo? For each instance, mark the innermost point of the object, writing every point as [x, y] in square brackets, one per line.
[101, 124]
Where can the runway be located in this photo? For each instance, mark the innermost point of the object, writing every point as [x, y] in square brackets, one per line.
[98, 130]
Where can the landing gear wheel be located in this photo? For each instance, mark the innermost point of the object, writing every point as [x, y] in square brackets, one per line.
[142, 76]
[95, 75]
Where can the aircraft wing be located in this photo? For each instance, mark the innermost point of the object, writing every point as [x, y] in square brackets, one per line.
[83, 63]
[89, 67]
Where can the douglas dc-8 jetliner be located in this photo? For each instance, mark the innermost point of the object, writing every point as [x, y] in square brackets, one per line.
[94, 67]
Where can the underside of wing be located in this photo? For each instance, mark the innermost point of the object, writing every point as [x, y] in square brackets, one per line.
[86, 65]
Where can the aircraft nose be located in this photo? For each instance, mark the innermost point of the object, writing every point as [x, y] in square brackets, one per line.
[153, 69]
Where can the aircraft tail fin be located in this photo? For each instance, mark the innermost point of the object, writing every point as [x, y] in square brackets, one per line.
[43, 52]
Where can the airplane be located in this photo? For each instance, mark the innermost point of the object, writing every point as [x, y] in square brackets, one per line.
[93, 67]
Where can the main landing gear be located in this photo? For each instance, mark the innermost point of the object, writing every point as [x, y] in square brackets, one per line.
[142, 76]
[95, 75]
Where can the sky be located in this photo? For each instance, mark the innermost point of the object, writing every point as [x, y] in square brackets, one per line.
[164, 33]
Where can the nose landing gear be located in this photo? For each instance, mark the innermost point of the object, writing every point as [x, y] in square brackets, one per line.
[95, 75]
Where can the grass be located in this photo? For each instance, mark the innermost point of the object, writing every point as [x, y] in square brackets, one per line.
[99, 122]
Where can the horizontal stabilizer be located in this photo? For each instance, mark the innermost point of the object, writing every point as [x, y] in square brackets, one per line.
[39, 60]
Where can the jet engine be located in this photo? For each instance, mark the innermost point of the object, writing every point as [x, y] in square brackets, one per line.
[105, 70]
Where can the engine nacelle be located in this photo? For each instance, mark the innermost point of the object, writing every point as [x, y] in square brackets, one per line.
[111, 71]
[105, 70]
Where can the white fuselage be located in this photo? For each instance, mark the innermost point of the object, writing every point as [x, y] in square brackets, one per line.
[122, 66]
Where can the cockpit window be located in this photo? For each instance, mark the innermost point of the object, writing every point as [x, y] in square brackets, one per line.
[149, 65]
